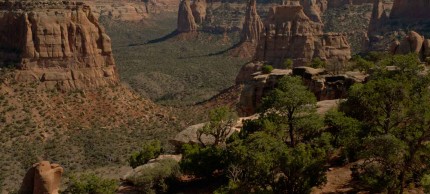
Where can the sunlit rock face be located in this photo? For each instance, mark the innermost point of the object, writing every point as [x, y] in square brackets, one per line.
[57, 44]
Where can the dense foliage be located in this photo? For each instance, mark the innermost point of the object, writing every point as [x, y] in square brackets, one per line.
[283, 151]
[393, 109]
[156, 177]
[150, 150]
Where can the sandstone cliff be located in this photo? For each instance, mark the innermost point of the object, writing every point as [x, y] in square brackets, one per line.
[186, 21]
[58, 44]
[253, 26]
[198, 8]
[314, 8]
[379, 16]
[412, 43]
[289, 33]
[410, 9]
[131, 10]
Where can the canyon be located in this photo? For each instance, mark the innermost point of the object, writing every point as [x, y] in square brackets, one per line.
[69, 92]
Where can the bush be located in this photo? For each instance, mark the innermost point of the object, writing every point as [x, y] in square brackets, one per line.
[91, 183]
[150, 150]
[318, 63]
[266, 69]
[425, 183]
[155, 178]
[201, 161]
[288, 64]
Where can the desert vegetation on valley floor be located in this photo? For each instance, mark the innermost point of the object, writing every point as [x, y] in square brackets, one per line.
[109, 124]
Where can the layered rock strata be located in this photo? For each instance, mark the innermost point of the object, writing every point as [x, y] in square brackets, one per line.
[186, 21]
[42, 178]
[324, 85]
[289, 33]
[58, 44]
[314, 8]
[253, 26]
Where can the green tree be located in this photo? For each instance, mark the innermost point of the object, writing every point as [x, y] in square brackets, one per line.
[150, 150]
[318, 63]
[292, 102]
[362, 65]
[202, 161]
[220, 125]
[156, 178]
[394, 107]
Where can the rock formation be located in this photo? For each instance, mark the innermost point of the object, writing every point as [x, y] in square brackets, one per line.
[412, 43]
[253, 26]
[325, 86]
[198, 8]
[314, 9]
[379, 17]
[58, 44]
[42, 178]
[289, 33]
[410, 9]
[186, 21]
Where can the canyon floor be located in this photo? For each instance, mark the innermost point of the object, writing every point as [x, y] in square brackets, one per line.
[96, 130]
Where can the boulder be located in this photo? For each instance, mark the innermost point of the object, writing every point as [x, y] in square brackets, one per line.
[42, 178]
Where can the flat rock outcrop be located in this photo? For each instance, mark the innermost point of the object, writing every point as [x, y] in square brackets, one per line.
[186, 21]
[291, 34]
[42, 178]
[412, 43]
[58, 44]
[325, 86]
[410, 9]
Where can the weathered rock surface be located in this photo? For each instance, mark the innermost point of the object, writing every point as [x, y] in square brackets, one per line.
[198, 8]
[42, 178]
[186, 21]
[289, 33]
[379, 16]
[131, 10]
[58, 44]
[314, 8]
[318, 81]
[253, 26]
[410, 9]
[412, 43]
